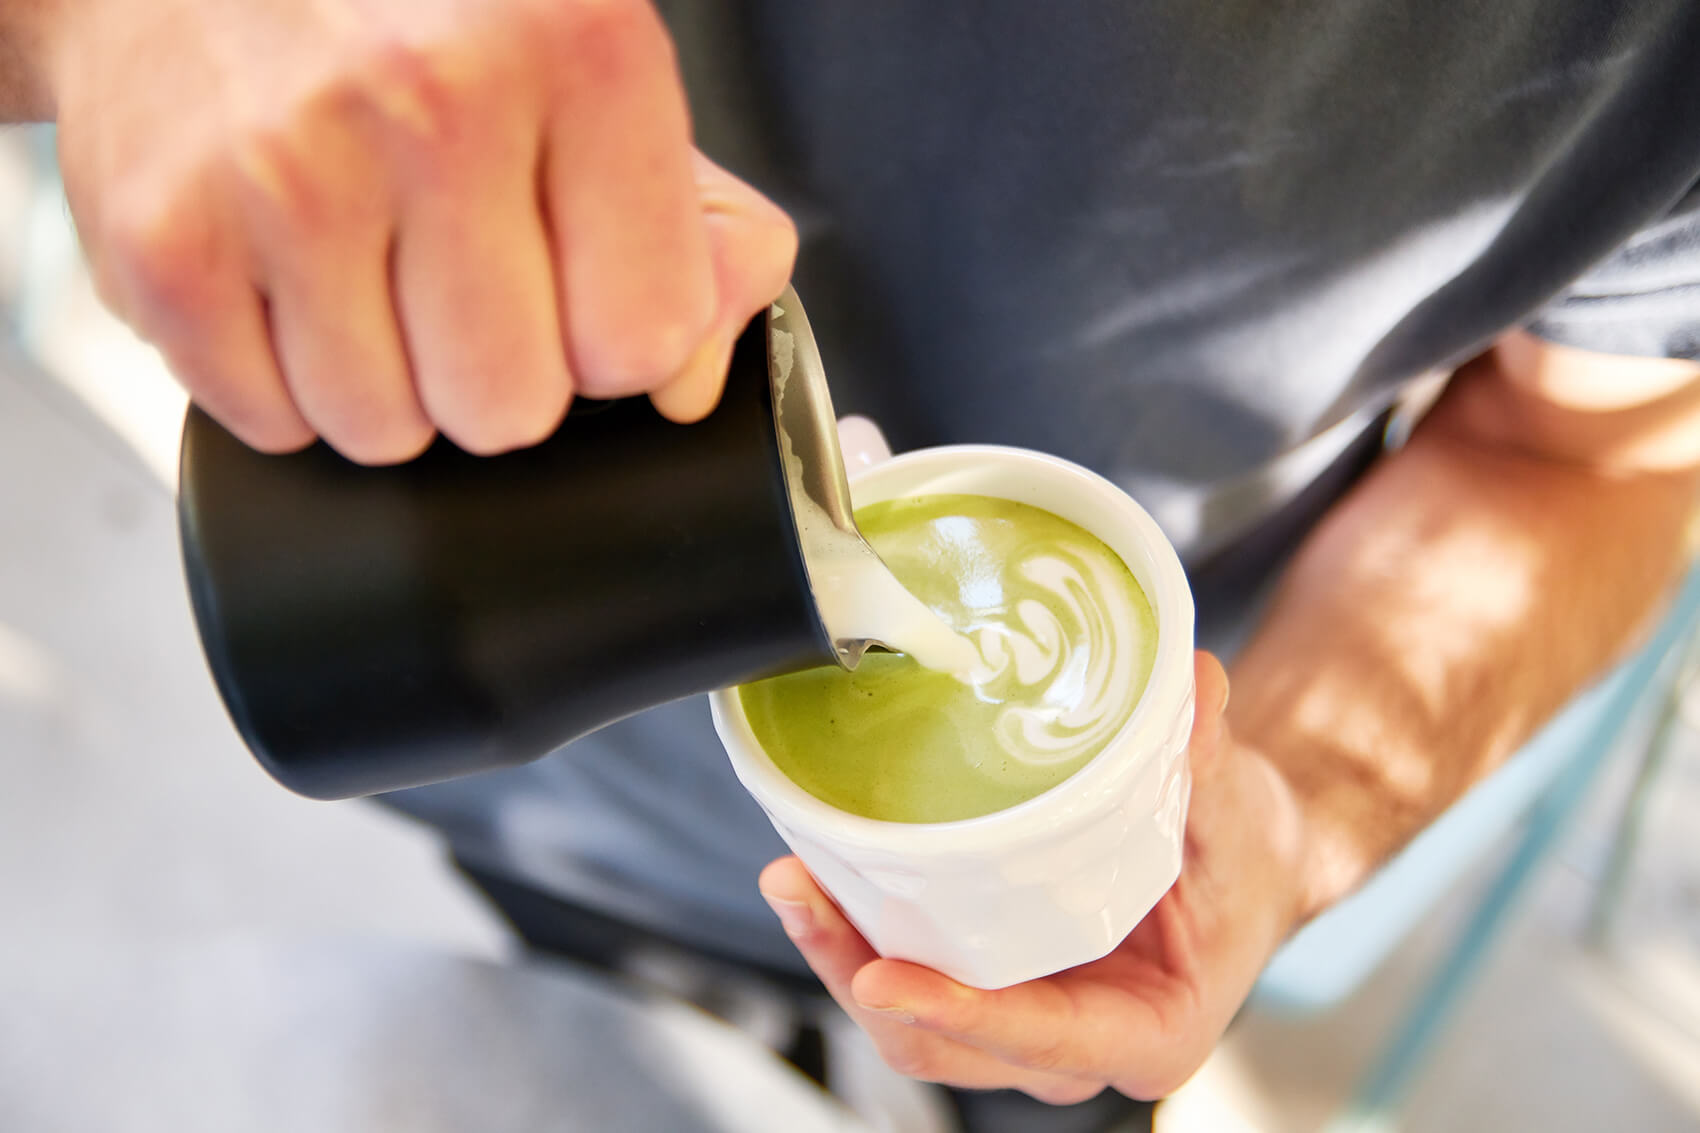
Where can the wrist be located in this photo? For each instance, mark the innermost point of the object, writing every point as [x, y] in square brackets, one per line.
[1341, 734]
[1323, 852]
[1343, 835]
[1276, 855]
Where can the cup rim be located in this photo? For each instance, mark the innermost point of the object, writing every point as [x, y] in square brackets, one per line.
[1091, 787]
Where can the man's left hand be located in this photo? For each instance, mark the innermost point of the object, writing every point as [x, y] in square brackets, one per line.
[1143, 1018]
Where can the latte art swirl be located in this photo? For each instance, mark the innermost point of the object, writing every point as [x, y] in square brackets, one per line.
[1051, 661]
[1065, 641]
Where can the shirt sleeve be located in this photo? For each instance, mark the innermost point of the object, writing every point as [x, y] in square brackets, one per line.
[1643, 299]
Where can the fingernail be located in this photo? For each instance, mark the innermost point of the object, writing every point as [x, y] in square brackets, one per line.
[796, 916]
[890, 1012]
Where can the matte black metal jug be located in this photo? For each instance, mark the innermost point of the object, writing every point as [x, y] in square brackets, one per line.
[377, 628]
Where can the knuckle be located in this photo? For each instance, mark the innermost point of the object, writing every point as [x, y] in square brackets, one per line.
[388, 444]
[609, 42]
[365, 421]
[524, 432]
[280, 185]
[261, 416]
[261, 426]
[436, 98]
[492, 421]
[272, 437]
[154, 250]
[638, 355]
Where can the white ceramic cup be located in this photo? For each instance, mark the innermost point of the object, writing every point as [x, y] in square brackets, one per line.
[1058, 880]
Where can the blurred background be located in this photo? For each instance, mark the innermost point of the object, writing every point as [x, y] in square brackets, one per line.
[185, 946]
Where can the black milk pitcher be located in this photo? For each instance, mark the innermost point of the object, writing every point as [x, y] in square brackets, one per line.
[377, 628]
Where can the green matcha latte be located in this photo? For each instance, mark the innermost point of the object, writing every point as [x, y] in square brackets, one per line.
[1066, 640]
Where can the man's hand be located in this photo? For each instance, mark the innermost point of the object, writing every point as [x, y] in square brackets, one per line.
[1140, 1020]
[373, 220]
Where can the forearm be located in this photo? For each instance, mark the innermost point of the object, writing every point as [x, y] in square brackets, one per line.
[27, 36]
[1459, 596]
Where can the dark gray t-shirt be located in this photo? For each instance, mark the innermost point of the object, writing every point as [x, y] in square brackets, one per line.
[1201, 247]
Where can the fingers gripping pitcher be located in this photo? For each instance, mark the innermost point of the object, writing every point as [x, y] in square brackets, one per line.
[371, 629]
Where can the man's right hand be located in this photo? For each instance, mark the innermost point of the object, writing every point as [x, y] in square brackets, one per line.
[375, 220]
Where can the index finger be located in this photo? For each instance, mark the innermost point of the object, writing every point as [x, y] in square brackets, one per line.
[636, 283]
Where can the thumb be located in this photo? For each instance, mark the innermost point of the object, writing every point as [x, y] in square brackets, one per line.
[754, 247]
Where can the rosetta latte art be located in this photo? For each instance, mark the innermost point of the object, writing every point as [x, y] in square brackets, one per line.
[1066, 641]
[1051, 659]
